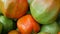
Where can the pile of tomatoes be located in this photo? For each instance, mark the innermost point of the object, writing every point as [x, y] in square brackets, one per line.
[29, 17]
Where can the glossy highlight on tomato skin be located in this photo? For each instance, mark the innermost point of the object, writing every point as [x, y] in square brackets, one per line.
[14, 8]
[26, 25]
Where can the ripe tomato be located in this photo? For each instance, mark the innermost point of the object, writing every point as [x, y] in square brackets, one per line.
[27, 24]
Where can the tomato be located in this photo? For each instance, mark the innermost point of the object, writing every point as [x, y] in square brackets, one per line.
[14, 8]
[58, 32]
[50, 28]
[27, 25]
[30, 1]
[13, 32]
[45, 11]
[6, 23]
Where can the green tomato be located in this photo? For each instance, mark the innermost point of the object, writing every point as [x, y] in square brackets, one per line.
[44, 11]
[50, 28]
[7, 24]
[30, 1]
[1, 26]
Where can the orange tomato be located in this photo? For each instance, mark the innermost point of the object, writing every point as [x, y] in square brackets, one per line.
[27, 24]
[14, 8]
[13, 32]
[58, 32]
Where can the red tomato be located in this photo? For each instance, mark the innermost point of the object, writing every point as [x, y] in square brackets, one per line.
[27, 24]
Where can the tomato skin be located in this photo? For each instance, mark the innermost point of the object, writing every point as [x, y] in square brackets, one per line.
[44, 11]
[14, 8]
[50, 28]
[26, 25]
[58, 32]
[36, 27]
[7, 24]
[13, 32]
[30, 1]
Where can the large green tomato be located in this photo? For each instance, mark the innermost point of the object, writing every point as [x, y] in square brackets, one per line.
[7, 24]
[44, 11]
[50, 28]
